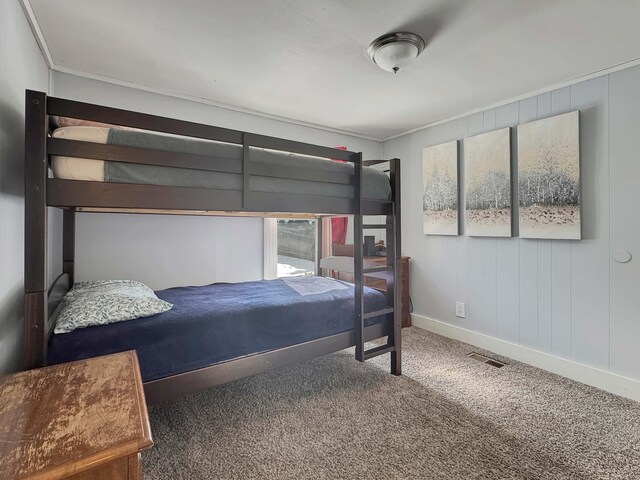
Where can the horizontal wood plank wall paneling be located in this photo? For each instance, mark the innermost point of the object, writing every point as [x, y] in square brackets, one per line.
[171, 387]
[35, 275]
[625, 221]
[145, 156]
[99, 113]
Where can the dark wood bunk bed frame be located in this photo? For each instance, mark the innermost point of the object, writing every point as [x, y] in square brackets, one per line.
[42, 301]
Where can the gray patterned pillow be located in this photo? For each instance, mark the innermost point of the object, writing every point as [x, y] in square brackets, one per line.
[107, 301]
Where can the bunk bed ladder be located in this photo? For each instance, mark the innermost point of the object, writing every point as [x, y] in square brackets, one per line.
[392, 344]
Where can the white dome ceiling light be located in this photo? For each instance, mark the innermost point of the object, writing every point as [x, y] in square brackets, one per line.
[395, 51]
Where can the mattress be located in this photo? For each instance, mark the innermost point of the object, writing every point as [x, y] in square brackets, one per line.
[375, 183]
[213, 323]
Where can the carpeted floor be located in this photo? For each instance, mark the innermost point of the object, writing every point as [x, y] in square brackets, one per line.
[448, 417]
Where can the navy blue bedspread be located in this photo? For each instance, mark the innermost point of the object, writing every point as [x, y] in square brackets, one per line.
[213, 323]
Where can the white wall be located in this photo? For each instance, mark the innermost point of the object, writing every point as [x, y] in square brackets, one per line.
[21, 66]
[169, 251]
[565, 298]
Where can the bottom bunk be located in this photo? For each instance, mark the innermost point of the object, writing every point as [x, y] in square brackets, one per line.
[220, 332]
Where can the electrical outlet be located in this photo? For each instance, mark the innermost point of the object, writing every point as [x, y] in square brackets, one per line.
[461, 310]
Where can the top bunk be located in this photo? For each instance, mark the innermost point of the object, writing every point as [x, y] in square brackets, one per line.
[113, 160]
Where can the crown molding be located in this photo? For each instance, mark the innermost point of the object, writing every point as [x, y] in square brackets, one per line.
[42, 43]
[46, 53]
[206, 101]
[550, 88]
[37, 32]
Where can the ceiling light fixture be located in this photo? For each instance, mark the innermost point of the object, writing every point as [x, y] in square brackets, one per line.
[395, 51]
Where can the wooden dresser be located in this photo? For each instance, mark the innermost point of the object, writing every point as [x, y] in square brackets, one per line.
[381, 284]
[81, 420]
[341, 266]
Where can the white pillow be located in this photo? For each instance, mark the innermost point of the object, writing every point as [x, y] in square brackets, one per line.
[107, 301]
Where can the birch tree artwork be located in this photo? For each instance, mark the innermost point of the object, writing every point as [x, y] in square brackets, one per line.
[549, 178]
[487, 183]
[440, 189]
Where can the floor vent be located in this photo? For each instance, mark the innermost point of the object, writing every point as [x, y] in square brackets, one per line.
[487, 360]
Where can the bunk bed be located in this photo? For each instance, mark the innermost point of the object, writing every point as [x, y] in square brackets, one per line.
[158, 165]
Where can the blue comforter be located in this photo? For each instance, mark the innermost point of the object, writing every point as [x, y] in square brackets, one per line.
[213, 323]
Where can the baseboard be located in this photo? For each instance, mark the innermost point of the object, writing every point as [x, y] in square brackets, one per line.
[610, 382]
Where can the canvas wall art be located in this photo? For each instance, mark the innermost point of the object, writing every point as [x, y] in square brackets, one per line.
[487, 184]
[549, 178]
[440, 189]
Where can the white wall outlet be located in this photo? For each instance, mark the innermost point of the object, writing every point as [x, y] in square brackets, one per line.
[461, 310]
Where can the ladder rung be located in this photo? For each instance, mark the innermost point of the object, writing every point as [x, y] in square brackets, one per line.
[378, 313]
[376, 226]
[374, 269]
[381, 350]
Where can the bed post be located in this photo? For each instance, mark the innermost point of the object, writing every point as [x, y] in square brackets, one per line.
[69, 243]
[246, 152]
[358, 260]
[319, 221]
[35, 244]
[396, 354]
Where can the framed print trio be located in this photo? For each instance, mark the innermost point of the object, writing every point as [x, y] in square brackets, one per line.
[548, 186]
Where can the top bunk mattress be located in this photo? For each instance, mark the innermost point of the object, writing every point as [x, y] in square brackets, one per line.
[375, 183]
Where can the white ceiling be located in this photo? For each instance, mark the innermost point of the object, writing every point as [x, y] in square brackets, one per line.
[306, 60]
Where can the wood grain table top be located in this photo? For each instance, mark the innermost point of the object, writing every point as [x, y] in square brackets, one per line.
[60, 420]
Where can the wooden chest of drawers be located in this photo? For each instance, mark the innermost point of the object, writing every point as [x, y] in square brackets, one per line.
[81, 420]
[341, 266]
[381, 284]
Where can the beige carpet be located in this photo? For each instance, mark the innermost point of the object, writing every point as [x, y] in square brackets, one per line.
[448, 417]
